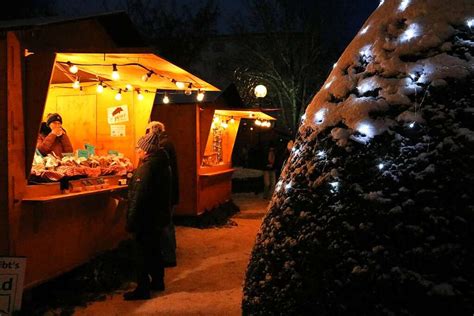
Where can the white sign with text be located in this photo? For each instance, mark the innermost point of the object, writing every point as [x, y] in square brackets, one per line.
[12, 276]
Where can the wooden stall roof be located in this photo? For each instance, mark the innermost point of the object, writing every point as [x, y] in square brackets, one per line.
[94, 65]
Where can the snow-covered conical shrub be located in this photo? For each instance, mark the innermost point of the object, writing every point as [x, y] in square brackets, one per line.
[374, 211]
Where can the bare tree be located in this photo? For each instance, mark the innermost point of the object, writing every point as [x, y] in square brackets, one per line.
[286, 55]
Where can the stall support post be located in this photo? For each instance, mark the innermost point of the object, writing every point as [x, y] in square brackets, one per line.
[4, 240]
[15, 137]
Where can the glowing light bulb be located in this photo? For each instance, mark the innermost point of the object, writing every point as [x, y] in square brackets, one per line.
[140, 96]
[72, 68]
[288, 186]
[232, 121]
[166, 100]
[381, 2]
[321, 154]
[76, 84]
[303, 117]
[260, 91]
[365, 29]
[128, 87]
[115, 73]
[118, 96]
[147, 76]
[258, 122]
[380, 166]
[411, 125]
[319, 116]
[200, 96]
[179, 84]
[100, 88]
[224, 124]
[403, 5]
[334, 66]
[251, 128]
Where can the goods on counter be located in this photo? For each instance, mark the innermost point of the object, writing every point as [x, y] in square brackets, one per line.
[51, 168]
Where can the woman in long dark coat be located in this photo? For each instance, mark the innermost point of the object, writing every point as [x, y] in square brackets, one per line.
[148, 213]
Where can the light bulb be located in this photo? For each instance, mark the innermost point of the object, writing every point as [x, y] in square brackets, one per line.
[200, 96]
[303, 117]
[115, 73]
[232, 121]
[128, 87]
[260, 91]
[224, 124]
[380, 166]
[321, 154]
[118, 96]
[179, 84]
[188, 92]
[216, 119]
[166, 100]
[412, 124]
[100, 88]
[76, 84]
[258, 122]
[140, 96]
[288, 186]
[334, 66]
[147, 76]
[72, 68]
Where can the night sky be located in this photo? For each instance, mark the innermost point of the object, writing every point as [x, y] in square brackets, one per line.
[342, 16]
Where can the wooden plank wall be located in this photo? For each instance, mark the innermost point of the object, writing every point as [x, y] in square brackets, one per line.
[4, 241]
[16, 136]
[180, 121]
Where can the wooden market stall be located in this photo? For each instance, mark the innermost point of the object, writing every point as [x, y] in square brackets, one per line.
[59, 225]
[204, 135]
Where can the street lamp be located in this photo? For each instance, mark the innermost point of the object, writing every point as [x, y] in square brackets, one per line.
[260, 91]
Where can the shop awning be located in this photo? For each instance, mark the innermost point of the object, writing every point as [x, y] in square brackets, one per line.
[253, 114]
[132, 68]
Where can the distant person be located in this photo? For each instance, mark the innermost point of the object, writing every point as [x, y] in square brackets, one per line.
[269, 177]
[169, 233]
[149, 212]
[52, 138]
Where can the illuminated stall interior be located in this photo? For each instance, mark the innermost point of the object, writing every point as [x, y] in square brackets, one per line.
[220, 143]
[105, 100]
[204, 135]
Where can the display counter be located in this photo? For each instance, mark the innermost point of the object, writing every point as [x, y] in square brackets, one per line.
[63, 229]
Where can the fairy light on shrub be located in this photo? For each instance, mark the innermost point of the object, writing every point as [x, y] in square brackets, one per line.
[303, 117]
[403, 5]
[367, 131]
[380, 166]
[365, 29]
[412, 31]
[366, 85]
[470, 22]
[334, 66]
[327, 85]
[319, 116]
[288, 186]
[411, 125]
[334, 186]
[321, 154]
[381, 2]
[278, 186]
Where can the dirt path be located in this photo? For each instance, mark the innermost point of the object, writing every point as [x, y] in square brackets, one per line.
[209, 276]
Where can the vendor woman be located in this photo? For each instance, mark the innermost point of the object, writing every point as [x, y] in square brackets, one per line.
[52, 138]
